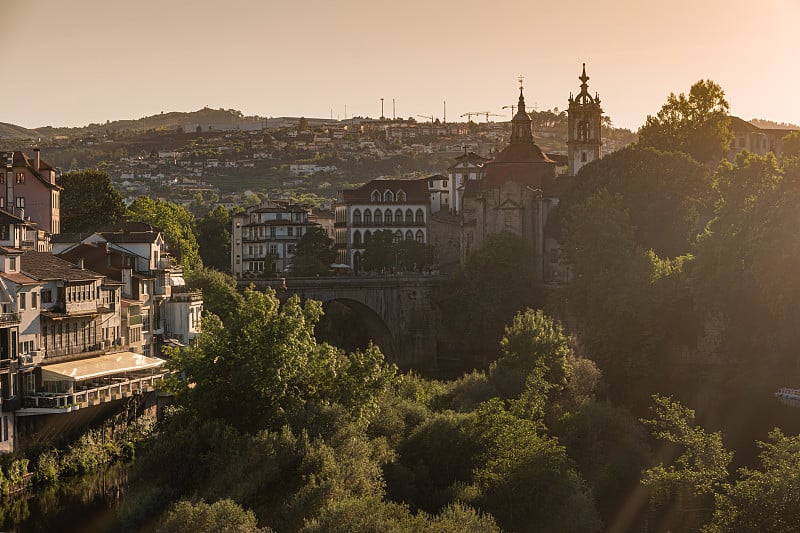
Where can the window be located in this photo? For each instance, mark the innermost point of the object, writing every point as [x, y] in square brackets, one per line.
[273, 249]
[409, 235]
[378, 218]
[290, 249]
[401, 196]
[47, 296]
[356, 238]
[420, 217]
[420, 237]
[357, 217]
[34, 300]
[398, 236]
[22, 301]
[388, 218]
[376, 196]
[12, 264]
[20, 202]
[444, 183]
[290, 231]
[583, 157]
[20, 177]
[2, 200]
[430, 184]
[367, 217]
[409, 217]
[388, 196]
[272, 231]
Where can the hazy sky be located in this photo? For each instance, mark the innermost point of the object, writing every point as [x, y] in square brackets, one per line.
[72, 62]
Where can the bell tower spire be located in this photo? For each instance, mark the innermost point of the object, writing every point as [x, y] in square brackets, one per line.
[521, 123]
[584, 136]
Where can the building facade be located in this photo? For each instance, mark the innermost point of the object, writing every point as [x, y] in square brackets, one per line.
[264, 238]
[467, 167]
[400, 206]
[28, 190]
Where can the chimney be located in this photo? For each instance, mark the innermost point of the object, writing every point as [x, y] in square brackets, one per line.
[36, 151]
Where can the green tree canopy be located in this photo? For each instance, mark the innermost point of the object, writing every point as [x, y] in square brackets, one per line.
[89, 201]
[791, 145]
[483, 296]
[313, 254]
[219, 292]
[663, 192]
[697, 124]
[177, 224]
[223, 516]
[214, 238]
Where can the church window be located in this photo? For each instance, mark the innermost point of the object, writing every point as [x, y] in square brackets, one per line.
[376, 196]
[388, 196]
[409, 217]
[357, 217]
[387, 218]
[398, 217]
[420, 237]
[583, 131]
[420, 217]
[378, 217]
[367, 217]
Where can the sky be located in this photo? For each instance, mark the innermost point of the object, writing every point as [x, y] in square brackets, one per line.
[71, 63]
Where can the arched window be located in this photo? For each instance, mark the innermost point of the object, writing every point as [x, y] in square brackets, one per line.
[367, 236]
[378, 217]
[387, 217]
[583, 131]
[398, 217]
[356, 238]
[401, 196]
[409, 235]
[357, 217]
[409, 217]
[398, 236]
[420, 237]
[367, 217]
[376, 196]
[420, 217]
[388, 196]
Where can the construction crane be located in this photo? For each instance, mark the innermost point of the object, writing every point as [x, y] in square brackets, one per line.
[470, 113]
[512, 107]
[426, 116]
[490, 115]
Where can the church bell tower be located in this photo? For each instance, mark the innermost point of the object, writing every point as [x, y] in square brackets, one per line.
[584, 139]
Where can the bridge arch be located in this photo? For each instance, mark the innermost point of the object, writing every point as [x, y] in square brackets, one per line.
[377, 329]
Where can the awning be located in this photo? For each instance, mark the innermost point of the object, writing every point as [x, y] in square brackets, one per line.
[177, 281]
[94, 367]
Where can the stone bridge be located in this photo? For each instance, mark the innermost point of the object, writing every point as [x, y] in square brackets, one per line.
[399, 311]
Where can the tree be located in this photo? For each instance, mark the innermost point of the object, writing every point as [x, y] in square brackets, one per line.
[176, 223]
[223, 516]
[214, 238]
[413, 255]
[219, 292]
[482, 296]
[379, 251]
[264, 367]
[663, 192]
[791, 145]
[765, 499]
[697, 124]
[313, 254]
[89, 201]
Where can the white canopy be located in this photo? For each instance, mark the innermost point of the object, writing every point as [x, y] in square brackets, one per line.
[94, 367]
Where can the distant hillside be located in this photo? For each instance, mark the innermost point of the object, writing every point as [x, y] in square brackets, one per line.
[772, 125]
[10, 131]
[163, 121]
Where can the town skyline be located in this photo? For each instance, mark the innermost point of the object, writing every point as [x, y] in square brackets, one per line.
[89, 65]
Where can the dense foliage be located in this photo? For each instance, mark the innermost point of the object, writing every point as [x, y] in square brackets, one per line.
[177, 224]
[89, 202]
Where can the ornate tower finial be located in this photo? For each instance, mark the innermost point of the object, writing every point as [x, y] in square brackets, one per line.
[584, 138]
[521, 122]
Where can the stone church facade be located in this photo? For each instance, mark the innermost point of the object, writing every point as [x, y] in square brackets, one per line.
[520, 186]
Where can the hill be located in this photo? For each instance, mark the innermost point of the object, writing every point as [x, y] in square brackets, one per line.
[11, 131]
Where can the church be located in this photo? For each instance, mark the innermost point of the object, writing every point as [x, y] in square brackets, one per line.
[517, 189]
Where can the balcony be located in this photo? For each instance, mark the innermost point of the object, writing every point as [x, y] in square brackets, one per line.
[11, 404]
[9, 319]
[114, 388]
[81, 349]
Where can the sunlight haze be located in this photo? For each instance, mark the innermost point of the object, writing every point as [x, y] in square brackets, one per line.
[78, 62]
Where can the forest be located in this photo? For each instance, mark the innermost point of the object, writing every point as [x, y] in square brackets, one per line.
[636, 397]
